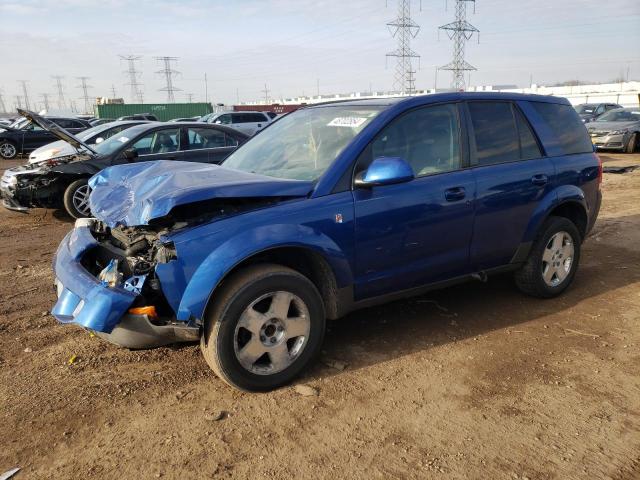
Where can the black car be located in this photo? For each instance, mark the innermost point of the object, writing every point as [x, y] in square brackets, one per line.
[65, 185]
[24, 136]
[590, 111]
[140, 116]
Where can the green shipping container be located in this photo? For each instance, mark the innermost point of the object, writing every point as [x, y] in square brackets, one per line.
[164, 111]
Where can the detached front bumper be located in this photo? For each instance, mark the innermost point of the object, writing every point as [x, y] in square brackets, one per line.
[90, 303]
[8, 183]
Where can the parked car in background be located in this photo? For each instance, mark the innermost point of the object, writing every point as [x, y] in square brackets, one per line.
[617, 130]
[24, 136]
[64, 184]
[590, 111]
[5, 121]
[189, 119]
[246, 122]
[140, 116]
[334, 207]
[59, 151]
[101, 121]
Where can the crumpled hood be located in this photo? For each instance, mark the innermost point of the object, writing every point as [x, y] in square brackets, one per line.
[134, 194]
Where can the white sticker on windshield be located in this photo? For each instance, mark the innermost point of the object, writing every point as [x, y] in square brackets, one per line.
[351, 122]
[123, 139]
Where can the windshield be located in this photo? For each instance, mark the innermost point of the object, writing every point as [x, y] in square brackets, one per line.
[112, 144]
[586, 108]
[621, 115]
[302, 144]
[85, 134]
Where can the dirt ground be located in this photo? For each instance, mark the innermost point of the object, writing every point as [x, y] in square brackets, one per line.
[476, 381]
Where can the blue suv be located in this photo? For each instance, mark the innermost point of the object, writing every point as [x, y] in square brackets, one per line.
[332, 208]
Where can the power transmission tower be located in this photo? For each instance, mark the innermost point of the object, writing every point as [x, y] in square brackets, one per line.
[459, 31]
[45, 100]
[189, 97]
[61, 102]
[168, 73]
[266, 92]
[404, 29]
[25, 94]
[136, 92]
[85, 93]
[113, 91]
[18, 103]
[3, 107]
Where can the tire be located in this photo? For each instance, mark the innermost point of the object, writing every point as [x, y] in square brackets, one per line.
[8, 150]
[551, 267]
[76, 199]
[631, 144]
[290, 340]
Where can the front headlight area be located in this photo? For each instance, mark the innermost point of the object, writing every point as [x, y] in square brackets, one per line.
[126, 258]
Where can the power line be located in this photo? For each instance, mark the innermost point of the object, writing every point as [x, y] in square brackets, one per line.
[459, 31]
[404, 29]
[60, 90]
[85, 93]
[45, 101]
[25, 94]
[136, 92]
[168, 73]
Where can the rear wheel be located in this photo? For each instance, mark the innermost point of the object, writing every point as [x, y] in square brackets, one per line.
[8, 150]
[631, 145]
[553, 260]
[266, 325]
[76, 199]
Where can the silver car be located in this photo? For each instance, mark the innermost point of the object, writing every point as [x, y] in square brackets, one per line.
[616, 130]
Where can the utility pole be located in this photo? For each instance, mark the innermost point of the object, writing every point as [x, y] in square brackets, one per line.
[25, 94]
[404, 29]
[189, 97]
[18, 102]
[85, 93]
[134, 75]
[113, 91]
[45, 101]
[168, 73]
[60, 90]
[459, 31]
[206, 88]
[318, 87]
[266, 94]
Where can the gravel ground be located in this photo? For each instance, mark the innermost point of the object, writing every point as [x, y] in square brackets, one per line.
[475, 381]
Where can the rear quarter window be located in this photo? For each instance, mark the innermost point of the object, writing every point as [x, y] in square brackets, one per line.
[569, 133]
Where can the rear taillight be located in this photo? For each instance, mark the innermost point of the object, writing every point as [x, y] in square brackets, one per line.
[599, 169]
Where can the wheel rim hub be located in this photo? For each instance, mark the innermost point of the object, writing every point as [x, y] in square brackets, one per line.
[557, 258]
[272, 332]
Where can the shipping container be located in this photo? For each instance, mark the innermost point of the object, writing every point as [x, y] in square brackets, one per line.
[164, 111]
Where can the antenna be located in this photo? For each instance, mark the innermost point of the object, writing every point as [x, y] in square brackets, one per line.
[404, 29]
[136, 92]
[85, 93]
[168, 73]
[459, 31]
[61, 102]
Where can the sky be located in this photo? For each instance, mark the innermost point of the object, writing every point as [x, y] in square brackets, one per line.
[299, 47]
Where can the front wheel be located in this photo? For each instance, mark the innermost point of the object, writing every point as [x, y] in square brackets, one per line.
[266, 325]
[8, 150]
[631, 145]
[553, 260]
[76, 199]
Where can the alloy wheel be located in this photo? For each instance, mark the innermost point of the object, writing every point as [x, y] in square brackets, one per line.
[81, 200]
[271, 333]
[7, 150]
[557, 258]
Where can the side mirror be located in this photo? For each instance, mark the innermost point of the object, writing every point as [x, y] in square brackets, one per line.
[385, 171]
[99, 140]
[130, 154]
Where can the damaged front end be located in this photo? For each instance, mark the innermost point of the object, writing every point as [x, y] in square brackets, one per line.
[107, 282]
[28, 186]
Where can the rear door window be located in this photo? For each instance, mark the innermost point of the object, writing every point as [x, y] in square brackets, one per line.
[205, 138]
[495, 133]
[161, 141]
[569, 134]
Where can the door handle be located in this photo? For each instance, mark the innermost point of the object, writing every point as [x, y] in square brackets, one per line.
[540, 179]
[454, 194]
